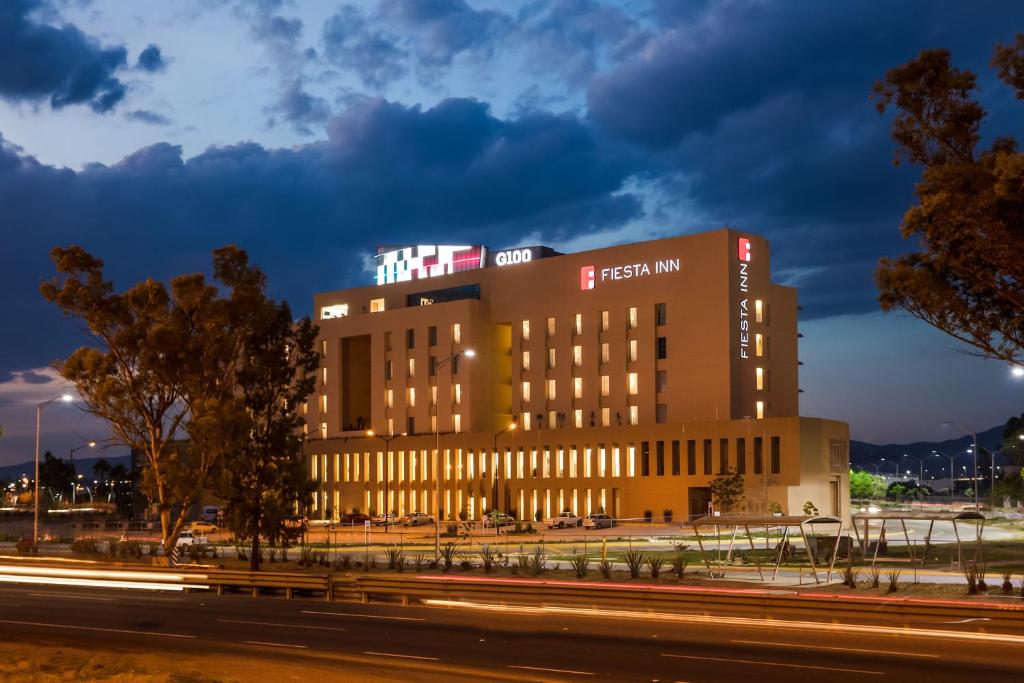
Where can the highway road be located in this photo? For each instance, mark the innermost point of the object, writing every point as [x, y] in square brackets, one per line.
[345, 641]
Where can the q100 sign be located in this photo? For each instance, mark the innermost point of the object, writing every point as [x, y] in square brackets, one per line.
[425, 261]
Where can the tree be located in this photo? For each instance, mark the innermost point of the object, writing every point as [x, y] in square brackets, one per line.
[1013, 440]
[864, 485]
[265, 477]
[969, 218]
[160, 370]
[101, 470]
[727, 490]
[56, 475]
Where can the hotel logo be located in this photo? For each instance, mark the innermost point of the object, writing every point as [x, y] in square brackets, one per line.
[743, 249]
[587, 277]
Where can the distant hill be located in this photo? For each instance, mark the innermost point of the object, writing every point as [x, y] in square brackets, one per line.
[83, 465]
[862, 452]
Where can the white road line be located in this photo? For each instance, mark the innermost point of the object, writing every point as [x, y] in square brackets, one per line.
[72, 596]
[557, 671]
[259, 642]
[94, 628]
[965, 621]
[270, 623]
[838, 649]
[363, 616]
[393, 654]
[763, 663]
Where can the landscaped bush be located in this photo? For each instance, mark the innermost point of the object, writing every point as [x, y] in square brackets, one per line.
[84, 546]
[635, 560]
[487, 557]
[26, 546]
[648, 515]
[418, 561]
[580, 562]
[970, 572]
[874, 575]
[396, 558]
[1007, 574]
[982, 569]
[605, 567]
[655, 564]
[448, 553]
[850, 576]
[894, 578]
[667, 516]
[538, 561]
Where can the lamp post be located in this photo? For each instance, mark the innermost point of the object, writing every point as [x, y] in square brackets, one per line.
[974, 438]
[951, 479]
[920, 475]
[66, 398]
[387, 470]
[435, 469]
[74, 479]
[512, 426]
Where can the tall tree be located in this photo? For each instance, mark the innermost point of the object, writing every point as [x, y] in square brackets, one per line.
[56, 475]
[969, 219]
[160, 369]
[265, 476]
[727, 490]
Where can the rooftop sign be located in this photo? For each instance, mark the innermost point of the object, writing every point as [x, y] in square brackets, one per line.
[426, 261]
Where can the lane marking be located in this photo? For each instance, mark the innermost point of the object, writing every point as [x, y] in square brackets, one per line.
[557, 671]
[94, 628]
[395, 654]
[260, 642]
[763, 663]
[71, 595]
[965, 621]
[270, 623]
[777, 624]
[838, 649]
[363, 616]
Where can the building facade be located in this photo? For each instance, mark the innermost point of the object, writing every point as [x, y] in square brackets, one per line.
[621, 380]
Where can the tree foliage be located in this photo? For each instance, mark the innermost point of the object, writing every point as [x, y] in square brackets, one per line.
[969, 218]
[1013, 444]
[727, 490]
[56, 475]
[864, 485]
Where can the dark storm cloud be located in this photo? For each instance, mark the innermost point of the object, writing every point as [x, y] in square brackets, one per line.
[147, 116]
[151, 59]
[38, 61]
[385, 173]
[301, 108]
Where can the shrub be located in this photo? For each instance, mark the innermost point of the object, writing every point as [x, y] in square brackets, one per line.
[522, 563]
[810, 508]
[371, 563]
[487, 558]
[874, 575]
[655, 564]
[605, 567]
[417, 561]
[970, 572]
[84, 546]
[305, 557]
[452, 528]
[850, 576]
[679, 564]
[580, 563]
[464, 563]
[346, 562]
[1007, 574]
[982, 586]
[648, 515]
[273, 554]
[538, 561]
[894, 577]
[26, 546]
[396, 558]
[667, 515]
[448, 553]
[635, 561]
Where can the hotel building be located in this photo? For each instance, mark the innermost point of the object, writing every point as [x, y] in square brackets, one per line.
[633, 376]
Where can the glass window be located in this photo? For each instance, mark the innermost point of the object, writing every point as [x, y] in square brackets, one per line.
[662, 348]
[577, 387]
[760, 410]
[526, 360]
[645, 459]
[605, 385]
[412, 367]
[432, 335]
[578, 323]
[741, 455]
[633, 383]
[759, 345]
[776, 455]
[526, 330]
[691, 457]
[433, 395]
[707, 456]
[432, 366]
[632, 349]
[457, 422]
[723, 456]
[387, 341]
[411, 425]
[758, 311]
[675, 458]
[551, 389]
[578, 418]
[616, 467]
[376, 305]
[410, 339]
[458, 393]
[660, 314]
[551, 327]
[659, 458]
[759, 375]
[660, 380]
[552, 419]
[605, 355]
[634, 415]
[457, 333]
[633, 318]
[387, 369]
[758, 455]
[606, 417]
[577, 356]
[661, 413]
[551, 359]
[631, 461]
[604, 321]
[412, 397]
[526, 396]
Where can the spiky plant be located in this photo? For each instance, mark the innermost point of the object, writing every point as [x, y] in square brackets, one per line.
[580, 562]
[655, 564]
[894, 578]
[635, 561]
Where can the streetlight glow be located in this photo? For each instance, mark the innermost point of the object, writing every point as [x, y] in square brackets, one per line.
[1017, 371]
[67, 398]
[469, 353]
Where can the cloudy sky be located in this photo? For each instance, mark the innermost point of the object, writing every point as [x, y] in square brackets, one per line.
[307, 132]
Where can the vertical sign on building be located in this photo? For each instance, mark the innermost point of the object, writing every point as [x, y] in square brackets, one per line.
[743, 253]
[587, 277]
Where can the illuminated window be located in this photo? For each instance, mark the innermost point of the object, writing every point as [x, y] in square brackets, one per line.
[758, 311]
[634, 415]
[632, 318]
[433, 423]
[632, 350]
[457, 423]
[526, 330]
[526, 421]
[336, 311]
[323, 403]
[348, 467]
[323, 347]
[376, 305]
[587, 454]
[323, 430]
[458, 393]
[526, 360]
[578, 418]
[533, 463]
[551, 327]
[604, 321]
[551, 389]
[631, 461]
[456, 333]
[579, 323]
[758, 345]
[760, 410]
[526, 397]
[412, 367]
[605, 355]
[315, 464]
[546, 465]
[634, 384]
[552, 419]
[411, 397]
[433, 395]
[577, 356]
[391, 425]
[520, 463]
[305, 407]
[616, 460]
[323, 375]
[551, 358]
[577, 387]
[573, 469]
[387, 341]
[606, 417]
[759, 372]
[606, 385]
[389, 398]
[561, 463]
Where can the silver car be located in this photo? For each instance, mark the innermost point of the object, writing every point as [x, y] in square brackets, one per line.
[598, 520]
[417, 519]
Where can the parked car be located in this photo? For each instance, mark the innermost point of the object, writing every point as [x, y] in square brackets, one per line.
[210, 513]
[382, 519]
[563, 520]
[202, 527]
[598, 520]
[354, 518]
[499, 520]
[417, 518]
[188, 537]
[298, 522]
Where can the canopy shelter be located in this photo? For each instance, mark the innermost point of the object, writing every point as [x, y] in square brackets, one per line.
[886, 516]
[783, 523]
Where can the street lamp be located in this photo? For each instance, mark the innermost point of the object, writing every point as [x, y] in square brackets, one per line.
[920, 475]
[387, 470]
[435, 469]
[974, 437]
[1017, 371]
[951, 479]
[74, 483]
[511, 427]
[66, 398]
